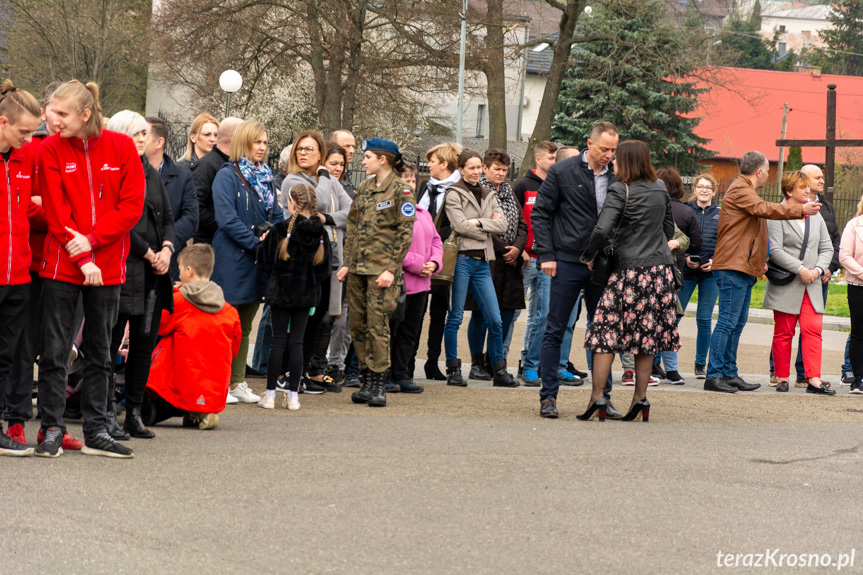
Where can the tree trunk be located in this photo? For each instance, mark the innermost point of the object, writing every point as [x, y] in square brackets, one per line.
[494, 75]
[349, 105]
[559, 63]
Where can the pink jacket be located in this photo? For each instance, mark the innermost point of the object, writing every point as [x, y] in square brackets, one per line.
[426, 246]
[851, 250]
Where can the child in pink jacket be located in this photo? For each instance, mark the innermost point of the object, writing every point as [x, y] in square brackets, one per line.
[421, 262]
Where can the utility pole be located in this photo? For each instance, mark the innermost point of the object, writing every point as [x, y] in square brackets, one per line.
[830, 151]
[460, 117]
[782, 149]
[523, 82]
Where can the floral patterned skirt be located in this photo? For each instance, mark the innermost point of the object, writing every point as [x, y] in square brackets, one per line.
[636, 313]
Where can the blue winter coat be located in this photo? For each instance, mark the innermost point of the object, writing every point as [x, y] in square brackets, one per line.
[184, 205]
[237, 212]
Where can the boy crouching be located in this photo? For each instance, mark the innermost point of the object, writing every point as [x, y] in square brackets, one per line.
[192, 363]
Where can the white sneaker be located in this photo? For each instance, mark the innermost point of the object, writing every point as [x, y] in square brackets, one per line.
[294, 404]
[243, 394]
[267, 403]
[231, 399]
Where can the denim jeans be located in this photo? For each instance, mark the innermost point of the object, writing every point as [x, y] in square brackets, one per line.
[735, 291]
[477, 330]
[101, 306]
[566, 344]
[507, 331]
[474, 274]
[798, 363]
[708, 291]
[536, 286]
[263, 341]
[571, 278]
[847, 365]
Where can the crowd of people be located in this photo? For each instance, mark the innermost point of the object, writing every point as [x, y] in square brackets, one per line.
[117, 250]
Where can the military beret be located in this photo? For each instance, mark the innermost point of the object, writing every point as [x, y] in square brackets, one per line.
[381, 145]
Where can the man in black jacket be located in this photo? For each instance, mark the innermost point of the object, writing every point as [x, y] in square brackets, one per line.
[204, 172]
[178, 184]
[566, 211]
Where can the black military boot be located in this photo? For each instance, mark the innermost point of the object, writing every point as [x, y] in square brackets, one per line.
[453, 373]
[113, 428]
[477, 368]
[379, 393]
[134, 425]
[502, 378]
[365, 392]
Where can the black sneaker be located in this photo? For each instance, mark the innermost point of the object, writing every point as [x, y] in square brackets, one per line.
[571, 369]
[311, 387]
[700, 373]
[658, 371]
[52, 444]
[674, 378]
[282, 384]
[548, 408]
[847, 378]
[12, 448]
[337, 374]
[104, 445]
[330, 385]
[857, 387]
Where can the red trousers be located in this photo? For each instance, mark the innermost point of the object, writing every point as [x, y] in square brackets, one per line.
[810, 332]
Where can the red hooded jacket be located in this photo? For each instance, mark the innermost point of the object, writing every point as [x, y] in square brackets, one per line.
[96, 187]
[17, 174]
[191, 366]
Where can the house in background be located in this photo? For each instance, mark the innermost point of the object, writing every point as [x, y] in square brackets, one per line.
[798, 28]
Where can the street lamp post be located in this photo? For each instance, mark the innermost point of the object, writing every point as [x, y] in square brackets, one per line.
[231, 82]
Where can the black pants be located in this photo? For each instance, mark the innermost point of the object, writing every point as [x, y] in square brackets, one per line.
[438, 307]
[143, 334]
[157, 409]
[101, 304]
[405, 334]
[855, 307]
[286, 351]
[16, 379]
[317, 337]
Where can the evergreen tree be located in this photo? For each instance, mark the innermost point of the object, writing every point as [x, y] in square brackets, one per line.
[742, 44]
[844, 38]
[635, 76]
[795, 159]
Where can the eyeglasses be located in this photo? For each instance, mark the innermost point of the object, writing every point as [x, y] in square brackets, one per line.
[707, 188]
[305, 151]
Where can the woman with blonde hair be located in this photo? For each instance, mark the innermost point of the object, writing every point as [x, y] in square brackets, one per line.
[295, 254]
[202, 138]
[246, 207]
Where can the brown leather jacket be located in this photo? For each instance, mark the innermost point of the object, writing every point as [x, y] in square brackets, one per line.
[741, 236]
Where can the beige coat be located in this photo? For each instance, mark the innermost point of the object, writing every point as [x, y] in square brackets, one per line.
[786, 238]
[461, 206]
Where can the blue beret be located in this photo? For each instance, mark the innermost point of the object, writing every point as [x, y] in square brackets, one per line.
[381, 145]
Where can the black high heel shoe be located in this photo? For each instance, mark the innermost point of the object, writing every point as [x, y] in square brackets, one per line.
[600, 404]
[641, 406]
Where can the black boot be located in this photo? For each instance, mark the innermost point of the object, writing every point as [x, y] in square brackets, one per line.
[365, 392]
[134, 425]
[502, 378]
[432, 370]
[477, 368]
[379, 394]
[113, 428]
[453, 373]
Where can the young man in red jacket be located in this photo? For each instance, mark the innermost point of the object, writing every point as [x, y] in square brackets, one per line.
[92, 184]
[19, 118]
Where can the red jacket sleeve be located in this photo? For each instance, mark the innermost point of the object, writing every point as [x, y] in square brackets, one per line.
[117, 222]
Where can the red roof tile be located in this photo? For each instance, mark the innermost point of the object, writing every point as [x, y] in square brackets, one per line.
[747, 114]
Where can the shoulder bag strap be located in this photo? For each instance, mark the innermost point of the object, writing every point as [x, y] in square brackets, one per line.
[805, 239]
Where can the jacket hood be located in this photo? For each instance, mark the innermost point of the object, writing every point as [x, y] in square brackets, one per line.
[461, 186]
[532, 175]
[42, 131]
[300, 178]
[205, 295]
[307, 231]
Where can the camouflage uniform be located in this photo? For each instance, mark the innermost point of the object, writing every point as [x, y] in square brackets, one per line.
[378, 236]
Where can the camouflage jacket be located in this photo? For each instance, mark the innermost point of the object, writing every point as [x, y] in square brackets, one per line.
[380, 227]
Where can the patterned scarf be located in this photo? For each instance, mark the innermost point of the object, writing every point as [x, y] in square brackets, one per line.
[259, 178]
[507, 202]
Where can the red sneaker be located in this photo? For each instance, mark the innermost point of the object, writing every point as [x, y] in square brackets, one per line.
[16, 432]
[69, 442]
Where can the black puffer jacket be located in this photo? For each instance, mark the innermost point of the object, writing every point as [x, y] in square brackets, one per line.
[295, 282]
[708, 221]
[685, 220]
[155, 226]
[645, 229]
[203, 174]
[565, 211]
[829, 214]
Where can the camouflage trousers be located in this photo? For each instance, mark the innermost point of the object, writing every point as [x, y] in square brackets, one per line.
[370, 310]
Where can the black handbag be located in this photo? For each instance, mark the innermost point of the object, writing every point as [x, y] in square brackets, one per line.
[401, 305]
[605, 261]
[778, 275]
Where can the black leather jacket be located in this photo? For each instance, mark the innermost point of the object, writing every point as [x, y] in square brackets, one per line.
[645, 229]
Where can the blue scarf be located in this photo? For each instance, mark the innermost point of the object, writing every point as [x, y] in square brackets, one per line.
[259, 178]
